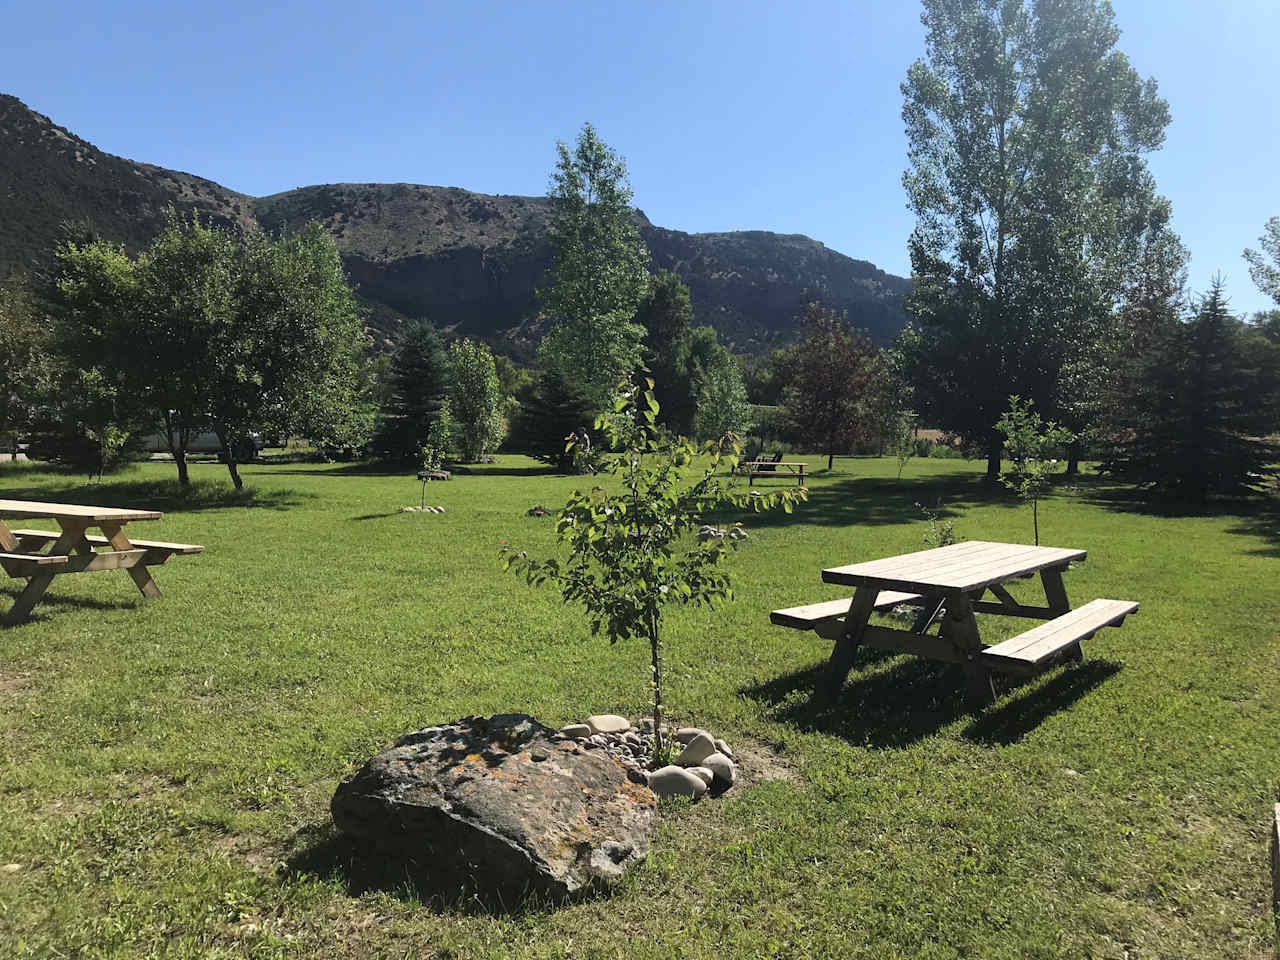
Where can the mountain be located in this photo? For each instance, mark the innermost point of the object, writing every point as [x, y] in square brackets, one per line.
[469, 261]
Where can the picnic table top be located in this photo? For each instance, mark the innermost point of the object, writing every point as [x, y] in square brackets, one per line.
[74, 511]
[961, 566]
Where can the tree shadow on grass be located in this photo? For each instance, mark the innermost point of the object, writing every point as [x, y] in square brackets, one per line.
[876, 501]
[321, 850]
[409, 471]
[912, 698]
[167, 496]
[1257, 516]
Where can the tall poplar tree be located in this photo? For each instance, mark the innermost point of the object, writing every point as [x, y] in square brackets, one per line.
[1026, 128]
[599, 273]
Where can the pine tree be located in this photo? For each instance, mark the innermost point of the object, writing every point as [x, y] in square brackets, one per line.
[554, 412]
[1196, 414]
[419, 381]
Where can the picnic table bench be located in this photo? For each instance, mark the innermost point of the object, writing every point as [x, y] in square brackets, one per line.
[770, 468]
[947, 586]
[72, 548]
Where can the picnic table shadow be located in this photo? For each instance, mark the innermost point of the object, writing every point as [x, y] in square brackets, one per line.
[892, 701]
[52, 603]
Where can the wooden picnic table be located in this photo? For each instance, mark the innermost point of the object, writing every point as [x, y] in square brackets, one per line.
[72, 550]
[769, 468]
[947, 586]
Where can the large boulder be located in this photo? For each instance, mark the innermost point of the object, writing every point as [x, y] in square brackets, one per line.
[501, 806]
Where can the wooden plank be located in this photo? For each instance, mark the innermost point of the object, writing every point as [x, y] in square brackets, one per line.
[73, 511]
[1054, 591]
[112, 560]
[933, 563]
[900, 641]
[980, 568]
[808, 616]
[8, 541]
[846, 645]
[27, 564]
[140, 574]
[156, 546]
[1016, 610]
[1049, 639]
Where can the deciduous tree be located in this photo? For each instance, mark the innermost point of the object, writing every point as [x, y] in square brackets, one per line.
[826, 377]
[475, 399]
[1023, 122]
[598, 274]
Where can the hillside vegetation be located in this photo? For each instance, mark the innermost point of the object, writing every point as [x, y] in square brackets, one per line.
[468, 261]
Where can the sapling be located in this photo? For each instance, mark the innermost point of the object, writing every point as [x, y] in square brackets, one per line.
[633, 551]
[1028, 441]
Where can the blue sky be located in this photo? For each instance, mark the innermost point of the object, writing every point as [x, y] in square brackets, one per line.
[732, 114]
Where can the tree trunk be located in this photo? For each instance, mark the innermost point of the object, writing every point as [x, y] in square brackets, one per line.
[994, 448]
[830, 458]
[1073, 458]
[177, 448]
[657, 681]
[228, 454]
[1035, 519]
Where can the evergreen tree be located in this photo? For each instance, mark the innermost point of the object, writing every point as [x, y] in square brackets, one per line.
[1198, 411]
[419, 378]
[546, 420]
[666, 313]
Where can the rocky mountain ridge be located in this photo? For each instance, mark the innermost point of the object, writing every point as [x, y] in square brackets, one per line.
[470, 262]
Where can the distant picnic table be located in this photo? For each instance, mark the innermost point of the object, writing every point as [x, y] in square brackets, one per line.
[72, 550]
[770, 468]
[946, 585]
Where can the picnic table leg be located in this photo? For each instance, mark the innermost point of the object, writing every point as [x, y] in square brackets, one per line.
[72, 538]
[1056, 593]
[960, 626]
[114, 533]
[855, 623]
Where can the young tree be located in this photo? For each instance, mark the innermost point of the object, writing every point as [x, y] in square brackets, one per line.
[1201, 406]
[721, 398]
[826, 377]
[418, 383]
[902, 438]
[475, 399]
[1020, 120]
[1028, 441]
[599, 271]
[630, 554]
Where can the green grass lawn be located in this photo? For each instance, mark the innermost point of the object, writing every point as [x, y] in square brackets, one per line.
[166, 766]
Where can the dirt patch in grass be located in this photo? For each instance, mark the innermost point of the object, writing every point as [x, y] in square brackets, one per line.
[12, 684]
[759, 762]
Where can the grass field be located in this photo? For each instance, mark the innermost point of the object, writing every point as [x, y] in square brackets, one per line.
[166, 766]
